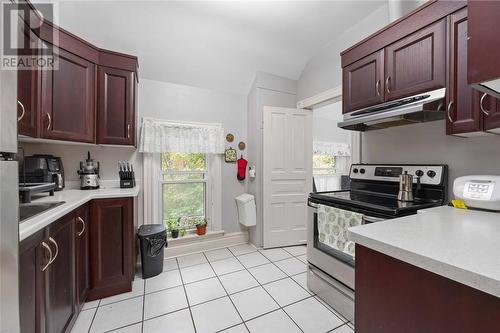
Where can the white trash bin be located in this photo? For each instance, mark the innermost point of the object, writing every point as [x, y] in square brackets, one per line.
[247, 215]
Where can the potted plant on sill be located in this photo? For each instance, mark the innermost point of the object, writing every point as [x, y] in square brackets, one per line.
[173, 227]
[201, 227]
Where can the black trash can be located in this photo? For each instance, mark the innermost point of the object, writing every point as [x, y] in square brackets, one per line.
[153, 239]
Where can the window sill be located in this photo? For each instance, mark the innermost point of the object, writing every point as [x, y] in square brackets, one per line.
[193, 237]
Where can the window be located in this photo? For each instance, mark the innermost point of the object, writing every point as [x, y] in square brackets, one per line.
[323, 164]
[184, 188]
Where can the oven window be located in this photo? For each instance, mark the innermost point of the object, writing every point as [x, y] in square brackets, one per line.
[340, 255]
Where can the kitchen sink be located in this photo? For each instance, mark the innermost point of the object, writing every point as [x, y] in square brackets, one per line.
[27, 211]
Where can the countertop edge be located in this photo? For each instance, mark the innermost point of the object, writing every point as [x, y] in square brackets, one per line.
[472, 279]
[30, 227]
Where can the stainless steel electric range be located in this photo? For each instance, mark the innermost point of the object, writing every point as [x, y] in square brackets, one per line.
[373, 194]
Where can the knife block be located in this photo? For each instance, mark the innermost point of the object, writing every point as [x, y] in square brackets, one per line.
[127, 179]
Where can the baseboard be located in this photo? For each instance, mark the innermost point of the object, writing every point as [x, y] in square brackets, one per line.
[200, 244]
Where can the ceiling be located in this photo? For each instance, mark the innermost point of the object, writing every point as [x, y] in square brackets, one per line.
[213, 44]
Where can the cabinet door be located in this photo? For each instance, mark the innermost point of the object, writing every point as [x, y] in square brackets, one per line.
[463, 102]
[111, 247]
[491, 111]
[60, 280]
[362, 82]
[116, 115]
[27, 84]
[68, 99]
[416, 63]
[33, 257]
[484, 53]
[82, 243]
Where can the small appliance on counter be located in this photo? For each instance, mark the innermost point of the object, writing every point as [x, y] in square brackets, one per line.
[42, 169]
[89, 174]
[478, 191]
[127, 175]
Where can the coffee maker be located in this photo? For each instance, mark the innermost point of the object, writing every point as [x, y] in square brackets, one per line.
[89, 174]
[41, 168]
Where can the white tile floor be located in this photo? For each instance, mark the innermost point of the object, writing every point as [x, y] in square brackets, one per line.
[231, 290]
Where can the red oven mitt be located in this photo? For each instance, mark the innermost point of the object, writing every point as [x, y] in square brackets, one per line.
[242, 168]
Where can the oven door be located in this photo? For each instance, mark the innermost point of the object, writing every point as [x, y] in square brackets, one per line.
[339, 265]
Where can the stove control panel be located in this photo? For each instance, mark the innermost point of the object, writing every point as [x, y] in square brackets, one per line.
[428, 174]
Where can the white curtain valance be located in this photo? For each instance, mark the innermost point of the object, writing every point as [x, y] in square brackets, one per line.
[331, 148]
[162, 136]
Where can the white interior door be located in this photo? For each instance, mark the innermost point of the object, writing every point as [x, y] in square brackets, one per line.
[287, 175]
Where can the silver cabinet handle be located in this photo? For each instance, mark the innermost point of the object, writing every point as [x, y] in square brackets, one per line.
[485, 111]
[377, 87]
[23, 113]
[50, 121]
[57, 249]
[128, 131]
[387, 84]
[448, 111]
[83, 226]
[50, 256]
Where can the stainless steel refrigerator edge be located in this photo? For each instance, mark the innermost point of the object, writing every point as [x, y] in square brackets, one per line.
[9, 204]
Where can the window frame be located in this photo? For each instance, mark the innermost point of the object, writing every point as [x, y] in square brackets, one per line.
[205, 181]
[213, 191]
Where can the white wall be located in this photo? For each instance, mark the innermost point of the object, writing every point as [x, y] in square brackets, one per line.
[185, 103]
[325, 121]
[175, 102]
[323, 71]
[428, 143]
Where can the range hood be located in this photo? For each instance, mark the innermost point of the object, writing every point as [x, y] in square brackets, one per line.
[415, 109]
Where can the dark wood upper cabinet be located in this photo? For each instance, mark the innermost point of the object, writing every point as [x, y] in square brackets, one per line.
[111, 247]
[491, 114]
[116, 106]
[416, 63]
[463, 111]
[82, 253]
[33, 257]
[27, 84]
[483, 50]
[470, 112]
[363, 82]
[61, 308]
[68, 99]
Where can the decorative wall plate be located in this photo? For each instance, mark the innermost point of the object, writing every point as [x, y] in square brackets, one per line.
[229, 137]
[230, 155]
[242, 145]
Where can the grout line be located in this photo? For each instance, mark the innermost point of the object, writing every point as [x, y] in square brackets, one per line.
[144, 304]
[272, 299]
[93, 317]
[227, 294]
[287, 276]
[119, 328]
[185, 295]
[336, 328]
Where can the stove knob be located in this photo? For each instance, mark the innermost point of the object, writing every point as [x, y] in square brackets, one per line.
[355, 170]
[431, 173]
[419, 173]
[362, 170]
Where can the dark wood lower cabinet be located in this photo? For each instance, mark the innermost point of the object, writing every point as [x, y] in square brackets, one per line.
[32, 258]
[60, 290]
[111, 247]
[85, 255]
[82, 253]
[393, 297]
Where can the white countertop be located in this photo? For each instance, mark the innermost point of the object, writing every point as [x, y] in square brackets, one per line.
[73, 199]
[462, 245]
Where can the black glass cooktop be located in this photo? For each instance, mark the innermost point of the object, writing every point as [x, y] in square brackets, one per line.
[383, 203]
